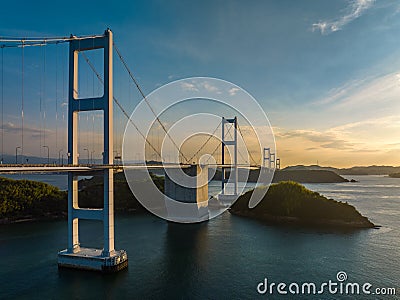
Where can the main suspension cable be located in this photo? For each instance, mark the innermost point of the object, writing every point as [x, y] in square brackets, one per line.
[205, 143]
[118, 103]
[18, 42]
[248, 151]
[216, 148]
[148, 103]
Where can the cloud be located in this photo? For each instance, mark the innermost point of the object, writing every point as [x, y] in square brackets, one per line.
[386, 89]
[339, 145]
[370, 141]
[360, 100]
[210, 88]
[337, 94]
[11, 128]
[233, 91]
[317, 139]
[186, 86]
[196, 86]
[355, 9]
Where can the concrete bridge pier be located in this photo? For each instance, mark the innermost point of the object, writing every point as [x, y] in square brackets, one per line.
[186, 194]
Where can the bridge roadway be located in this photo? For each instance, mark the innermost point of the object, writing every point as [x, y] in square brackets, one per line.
[51, 168]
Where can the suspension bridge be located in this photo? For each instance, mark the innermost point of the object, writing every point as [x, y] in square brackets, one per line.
[42, 122]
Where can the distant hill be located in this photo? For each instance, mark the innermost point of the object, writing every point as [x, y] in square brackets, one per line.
[297, 175]
[311, 167]
[308, 176]
[369, 170]
[394, 175]
[10, 159]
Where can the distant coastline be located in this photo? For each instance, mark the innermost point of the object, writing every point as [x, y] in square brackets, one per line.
[357, 170]
[394, 175]
[300, 176]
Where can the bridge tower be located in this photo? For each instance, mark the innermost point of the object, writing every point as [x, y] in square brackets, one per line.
[273, 160]
[278, 164]
[232, 178]
[75, 256]
[267, 157]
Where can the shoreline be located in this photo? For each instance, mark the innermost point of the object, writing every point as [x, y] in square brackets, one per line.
[30, 218]
[60, 216]
[293, 204]
[285, 220]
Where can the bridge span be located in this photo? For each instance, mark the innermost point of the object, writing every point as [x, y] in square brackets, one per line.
[108, 258]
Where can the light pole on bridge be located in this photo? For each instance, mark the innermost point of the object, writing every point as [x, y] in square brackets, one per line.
[48, 154]
[16, 154]
[59, 157]
[91, 156]
[86, 149]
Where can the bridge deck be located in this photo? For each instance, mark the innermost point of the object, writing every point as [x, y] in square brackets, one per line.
[13, 168]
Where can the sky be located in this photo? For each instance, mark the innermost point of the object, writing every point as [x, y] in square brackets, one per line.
[327, 73]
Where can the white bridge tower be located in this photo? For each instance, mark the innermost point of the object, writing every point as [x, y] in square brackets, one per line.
[75, 256]
[227, 195]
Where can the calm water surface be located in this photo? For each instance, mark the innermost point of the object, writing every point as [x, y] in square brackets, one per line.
[223, 258]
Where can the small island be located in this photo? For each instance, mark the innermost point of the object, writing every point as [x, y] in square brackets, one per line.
[308, 176]
[291, 203]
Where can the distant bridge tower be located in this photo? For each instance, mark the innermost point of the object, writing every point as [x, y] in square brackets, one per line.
[272, 160]
[278, 163]
[232, 178]
[267, 157]
[106, 259]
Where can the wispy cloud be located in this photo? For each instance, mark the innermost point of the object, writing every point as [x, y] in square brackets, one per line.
[364, 142]
[209, 87]
[186, 86]
[11, 128]
[196, 86]
[369, 95]
[233, 91]
[320, 139]
[355, 9]
[356, 123]
[337, 94]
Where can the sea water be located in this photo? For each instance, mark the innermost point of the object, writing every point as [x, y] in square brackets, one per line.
[227, 257]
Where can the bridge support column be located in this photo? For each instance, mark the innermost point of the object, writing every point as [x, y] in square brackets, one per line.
[75, 256]
[186, 194]
[73, 225]
[226, 197]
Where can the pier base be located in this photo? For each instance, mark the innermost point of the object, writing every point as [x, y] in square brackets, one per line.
[226, 200]
[186, 194]
[93, 259]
